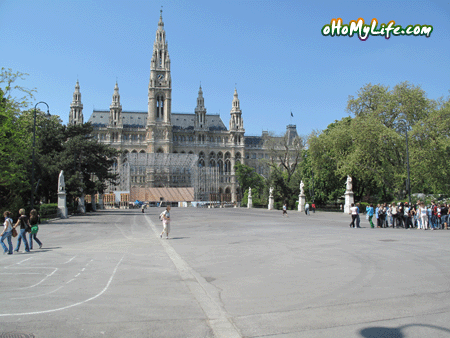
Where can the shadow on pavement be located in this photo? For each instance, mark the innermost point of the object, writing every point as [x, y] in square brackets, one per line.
[394, 332]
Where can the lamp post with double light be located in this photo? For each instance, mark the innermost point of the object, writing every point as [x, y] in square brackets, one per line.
[34, 143]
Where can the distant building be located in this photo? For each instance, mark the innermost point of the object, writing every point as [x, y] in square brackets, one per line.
[161, 131]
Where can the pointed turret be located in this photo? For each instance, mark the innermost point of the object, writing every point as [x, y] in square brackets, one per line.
[200, 111]
[115, 109]
[236, 121]
[76, 107]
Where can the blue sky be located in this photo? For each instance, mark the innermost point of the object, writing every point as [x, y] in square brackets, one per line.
[273, 52]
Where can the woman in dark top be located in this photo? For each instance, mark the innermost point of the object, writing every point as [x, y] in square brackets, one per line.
[23, 221]
[34, 220]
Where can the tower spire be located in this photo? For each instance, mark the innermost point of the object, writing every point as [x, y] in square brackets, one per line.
[200, 111]
[76, 107]
[115, 109]
[159, 124]
[236, 121]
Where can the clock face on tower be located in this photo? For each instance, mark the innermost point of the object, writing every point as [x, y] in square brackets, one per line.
[160, 78]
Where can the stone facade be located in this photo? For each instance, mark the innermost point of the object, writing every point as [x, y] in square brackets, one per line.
[159, 130]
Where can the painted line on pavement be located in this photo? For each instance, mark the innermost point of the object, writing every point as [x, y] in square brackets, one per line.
[72, 305]
[219, 320]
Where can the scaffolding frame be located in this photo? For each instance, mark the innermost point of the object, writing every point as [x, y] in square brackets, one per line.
[171, 170]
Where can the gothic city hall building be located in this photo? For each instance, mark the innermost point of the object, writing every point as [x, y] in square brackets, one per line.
[174, 156]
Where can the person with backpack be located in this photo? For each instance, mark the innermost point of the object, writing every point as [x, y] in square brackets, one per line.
[24, 227]
[34, 220]
[165, 217]
[7, 233]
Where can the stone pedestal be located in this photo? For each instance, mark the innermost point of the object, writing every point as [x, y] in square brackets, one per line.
[301, 202]
[349, 199]
[62, 205]
[81, 205]
[271, 202]
[250, 202]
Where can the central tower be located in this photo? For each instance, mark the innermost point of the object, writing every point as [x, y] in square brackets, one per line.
[159, 125]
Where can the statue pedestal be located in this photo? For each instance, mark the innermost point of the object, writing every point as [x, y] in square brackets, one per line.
[250, 202]
[301, 202]
[81, 205]
[62, 205]
[349, 199]
[270, 207]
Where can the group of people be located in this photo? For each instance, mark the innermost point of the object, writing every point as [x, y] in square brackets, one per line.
[403, 215]
[26, 225]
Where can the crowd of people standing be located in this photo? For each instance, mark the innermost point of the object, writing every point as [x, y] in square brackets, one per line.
[403, 215]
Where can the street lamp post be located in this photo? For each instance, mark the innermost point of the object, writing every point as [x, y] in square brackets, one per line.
[408, 183]
[34, 143]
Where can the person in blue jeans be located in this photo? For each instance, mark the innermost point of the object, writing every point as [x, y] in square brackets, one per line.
[23, 221]
[34, 220]
[7, 233]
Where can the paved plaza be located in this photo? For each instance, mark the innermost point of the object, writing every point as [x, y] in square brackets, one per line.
[227, 273]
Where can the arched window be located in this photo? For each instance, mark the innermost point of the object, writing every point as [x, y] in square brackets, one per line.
[160, 151]
[159, 107]
[227, 166]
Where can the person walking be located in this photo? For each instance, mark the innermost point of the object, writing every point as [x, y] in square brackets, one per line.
[307, 208]
[34, 220]
[165, 217]
[370, 212]
[354, 213]
[7, 233]
[24, 224]
[358, 219]
[285, 209]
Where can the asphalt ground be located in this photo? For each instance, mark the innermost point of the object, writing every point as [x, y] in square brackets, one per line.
[226, 273]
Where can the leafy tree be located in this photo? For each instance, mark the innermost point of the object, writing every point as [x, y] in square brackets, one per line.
[15, 149]
[285, 155]
[86, 163]
[248, 178]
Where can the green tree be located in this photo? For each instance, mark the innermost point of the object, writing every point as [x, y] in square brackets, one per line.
[86, 163]
[248, 178]
[285, 155]
[15, 146]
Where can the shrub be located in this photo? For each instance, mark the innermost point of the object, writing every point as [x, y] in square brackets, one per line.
[47, 210]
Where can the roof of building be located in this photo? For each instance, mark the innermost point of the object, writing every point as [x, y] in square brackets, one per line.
[136, 119]
[254, 141]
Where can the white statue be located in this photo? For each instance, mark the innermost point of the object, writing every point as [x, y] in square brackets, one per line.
[249, 192]
[61, 184]
[349, 183]
[302, 185]
[270, 192]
